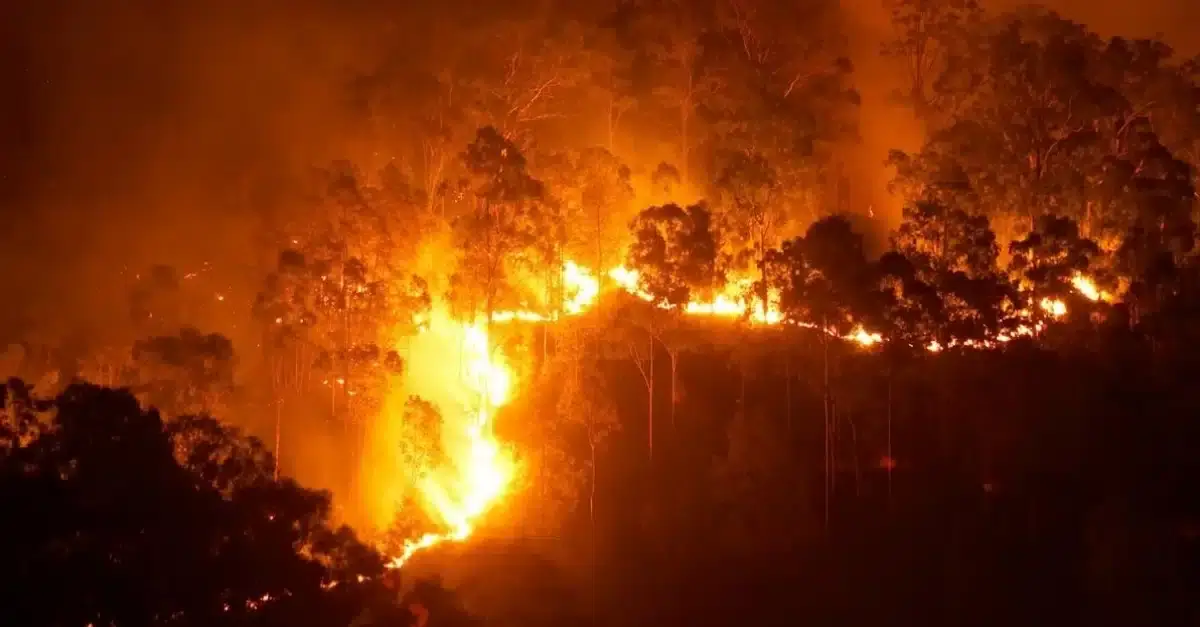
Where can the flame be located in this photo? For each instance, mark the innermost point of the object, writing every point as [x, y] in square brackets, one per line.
[1056, 308]
[1087, 287]
[480, 469]
[733, 302]
[581, 286]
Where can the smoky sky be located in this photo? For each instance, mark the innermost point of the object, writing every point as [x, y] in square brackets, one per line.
[135, 131]
[885, 126]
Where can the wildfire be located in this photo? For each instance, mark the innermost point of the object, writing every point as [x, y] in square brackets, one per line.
[1056, 308]
[730, 302]
[481, 469]
[582, 288]
[1088, 289]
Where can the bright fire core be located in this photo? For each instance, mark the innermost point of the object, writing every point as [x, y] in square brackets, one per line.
[479, 469]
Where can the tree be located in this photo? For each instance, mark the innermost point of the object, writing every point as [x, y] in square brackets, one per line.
[585, 402]
[823, 281]
[330, 322]
[666, 182]
[1054, 113]
[940, 240]
[674, 253]
[956, 254]
[1161, 198]
[285, 311]
[23, 421]
[593, 190]
[931, 39]
[613, 76]
[1052, 257]
[823, 276]
[782, 90]
[187, 373]
[911, 312]
[498, 232]
[133, 536]
[752, 215]
[759, 484]
[672, 31]
[540, 64]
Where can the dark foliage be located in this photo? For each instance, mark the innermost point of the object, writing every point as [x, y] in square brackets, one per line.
[113, 517]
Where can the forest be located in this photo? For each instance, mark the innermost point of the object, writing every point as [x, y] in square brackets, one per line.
[590, 317]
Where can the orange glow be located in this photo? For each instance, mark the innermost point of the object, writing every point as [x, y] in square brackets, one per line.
[581, 286]
[861, 336]
[1056, 308]
[729, 302]
[628, 280]
[455, 367]
[479, 469]
[1088, 289]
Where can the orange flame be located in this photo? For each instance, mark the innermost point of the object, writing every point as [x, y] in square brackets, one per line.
[1088, 289]
[481, 469]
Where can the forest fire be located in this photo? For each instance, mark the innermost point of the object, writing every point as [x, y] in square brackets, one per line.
[478, 469]
[591, 312]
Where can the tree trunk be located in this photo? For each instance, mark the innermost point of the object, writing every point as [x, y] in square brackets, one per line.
[833, 445]
[600, 274]
[787, 389]
[742, 381]
[685, 114]
[650, 400]
[825, 425]
[277, 389]
[485, 401]
[592, 524]
[854, 458]
[278, 432]
[674, 355]
[612, 118]
[891, 461]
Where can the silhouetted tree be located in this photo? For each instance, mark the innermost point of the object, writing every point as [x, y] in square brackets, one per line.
[115, 529]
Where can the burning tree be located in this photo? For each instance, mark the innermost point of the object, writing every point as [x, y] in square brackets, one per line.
[675, 255]
[956, 253]
[593, 190]
[498, 232]
[337, 298]
[753, 213]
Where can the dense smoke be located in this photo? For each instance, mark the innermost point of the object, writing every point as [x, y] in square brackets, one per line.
[140, 133]
[885, 124]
